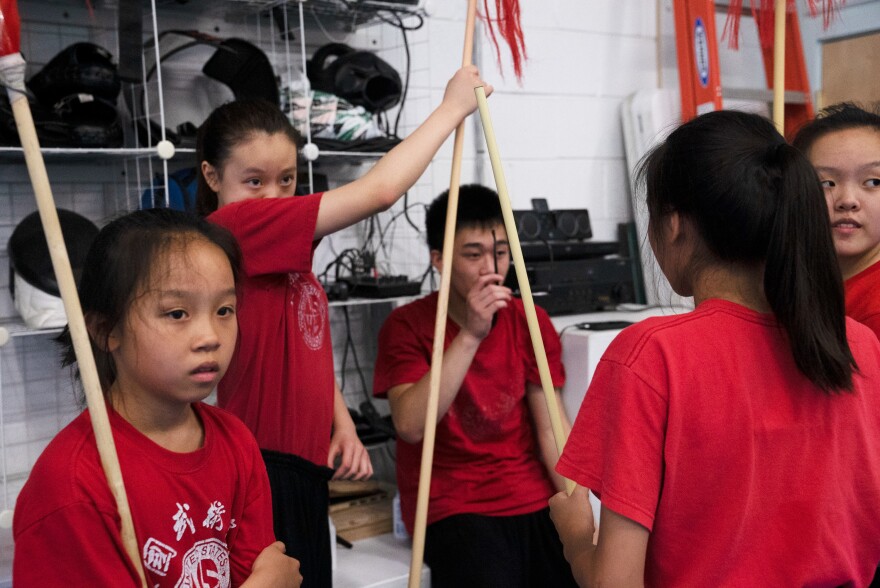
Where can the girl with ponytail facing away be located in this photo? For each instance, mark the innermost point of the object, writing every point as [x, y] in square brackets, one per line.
[738, 444]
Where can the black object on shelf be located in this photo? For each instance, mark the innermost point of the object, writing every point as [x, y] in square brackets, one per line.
[371, 428]
[382, 286]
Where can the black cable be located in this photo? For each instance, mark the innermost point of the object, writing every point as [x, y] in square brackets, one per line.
[399, 23]
[349, 341]
[408, 71]
[428, 272]
[339, 262]
[406, 213]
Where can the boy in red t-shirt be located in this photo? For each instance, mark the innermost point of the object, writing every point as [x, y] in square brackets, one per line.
[488, 521]
[281, 379]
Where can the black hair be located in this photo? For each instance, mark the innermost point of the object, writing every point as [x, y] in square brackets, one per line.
[755, 199]
[121, 262]
[478, 206]
[229, 125]
[838, 117]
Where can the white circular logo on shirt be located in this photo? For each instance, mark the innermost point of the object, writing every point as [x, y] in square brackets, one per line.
[310, 309]
[205, 565]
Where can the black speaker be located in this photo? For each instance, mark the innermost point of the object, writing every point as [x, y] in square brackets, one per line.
[573, 224]
[533, 225]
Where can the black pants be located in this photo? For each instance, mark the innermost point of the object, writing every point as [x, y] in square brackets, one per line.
[300, 499]
[478, 551]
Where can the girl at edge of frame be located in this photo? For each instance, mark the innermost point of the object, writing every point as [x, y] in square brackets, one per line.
[158, 294]
[281, 382]
[738, 444]
[843, 144]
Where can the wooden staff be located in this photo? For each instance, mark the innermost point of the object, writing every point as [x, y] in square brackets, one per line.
[779, 66]
[76, 323]
[418, 549]
[523, 278]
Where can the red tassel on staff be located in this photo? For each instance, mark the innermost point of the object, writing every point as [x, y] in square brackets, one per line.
[10, 32]
[507, 21]
[829, 9]
[731, 24]
[763, 11]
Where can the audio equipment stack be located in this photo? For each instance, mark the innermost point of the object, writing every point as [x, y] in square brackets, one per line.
[569, 273]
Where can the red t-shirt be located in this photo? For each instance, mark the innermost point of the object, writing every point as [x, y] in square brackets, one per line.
[203, 515]
[863, 297]
[700, 428]
[485, 454]
[280, 382]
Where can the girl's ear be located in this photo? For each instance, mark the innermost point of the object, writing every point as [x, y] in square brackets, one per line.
[104, 339]
[674, 229]
[211, 176]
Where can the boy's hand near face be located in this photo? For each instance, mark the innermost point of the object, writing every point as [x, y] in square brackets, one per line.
[486, 297]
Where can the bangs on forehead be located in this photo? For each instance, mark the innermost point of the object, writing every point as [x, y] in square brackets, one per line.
[485, 225]
[169, 245]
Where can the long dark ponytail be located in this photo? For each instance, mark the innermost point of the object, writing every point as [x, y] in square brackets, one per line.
[755, 199]
[802, 279]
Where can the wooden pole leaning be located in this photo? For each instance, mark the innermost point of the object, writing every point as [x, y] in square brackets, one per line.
[421, 518]
[523, 278]
[76, 323]
[779, 65]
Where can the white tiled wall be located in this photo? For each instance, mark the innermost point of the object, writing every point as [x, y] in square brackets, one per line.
[558, 133]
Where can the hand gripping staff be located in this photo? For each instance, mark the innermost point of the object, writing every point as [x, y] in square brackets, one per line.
[12, 69]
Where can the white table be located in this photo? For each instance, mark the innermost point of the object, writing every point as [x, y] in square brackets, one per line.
[376, 562]
[583, 348]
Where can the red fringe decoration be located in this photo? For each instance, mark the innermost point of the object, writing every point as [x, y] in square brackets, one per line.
[763, 12]
[829, 10]
[731, 24]
[10, 28]
[507, 21]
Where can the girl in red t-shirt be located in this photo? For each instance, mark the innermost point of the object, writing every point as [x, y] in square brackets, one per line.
[281, 382]
[158, 292]
[843, 144]
[727, 444]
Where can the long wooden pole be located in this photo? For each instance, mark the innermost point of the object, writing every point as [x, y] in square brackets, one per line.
[779, 66]
[522, 277]
[418, 549]
[76, 323]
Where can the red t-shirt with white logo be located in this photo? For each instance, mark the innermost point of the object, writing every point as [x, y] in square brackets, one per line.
[280, 381]
[201, 518]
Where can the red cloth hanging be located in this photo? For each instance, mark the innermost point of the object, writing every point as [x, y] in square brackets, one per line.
[10, 28]
[763, 12]
[507, 20]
